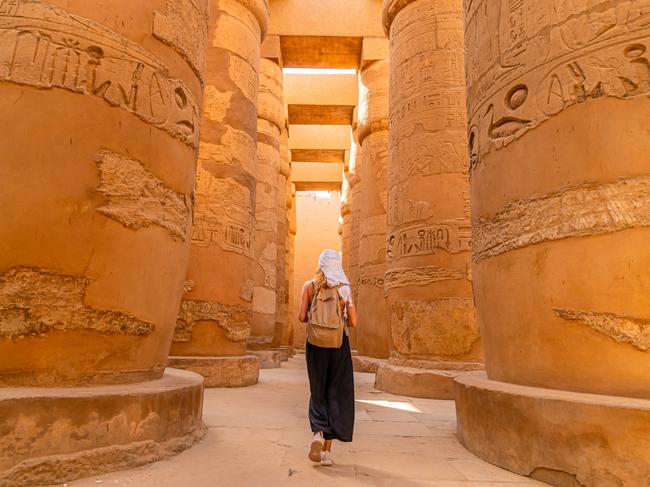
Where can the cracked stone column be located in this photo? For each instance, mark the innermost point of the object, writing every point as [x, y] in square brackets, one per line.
[215, 317]
[346, 217]
[99, 117]
[372, 331]
[434, 332]
[560, 182]
[271, 119]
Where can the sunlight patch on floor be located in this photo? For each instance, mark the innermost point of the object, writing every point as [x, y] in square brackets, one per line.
[402, 406]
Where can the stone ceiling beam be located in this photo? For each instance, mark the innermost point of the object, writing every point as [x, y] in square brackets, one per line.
[321, 51]
[319, 137]
[318, 155]
[321, 114]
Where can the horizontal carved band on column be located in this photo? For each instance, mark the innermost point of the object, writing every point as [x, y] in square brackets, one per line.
[36, 301]
[586, 210]
[421, 276]
[45, 47]
[453, 236]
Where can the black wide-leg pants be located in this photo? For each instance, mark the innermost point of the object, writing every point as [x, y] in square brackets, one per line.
[331, 381]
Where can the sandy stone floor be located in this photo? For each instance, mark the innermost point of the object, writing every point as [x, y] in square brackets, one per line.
[258, 436]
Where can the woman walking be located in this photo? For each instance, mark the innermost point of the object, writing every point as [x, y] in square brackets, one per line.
[328, 309]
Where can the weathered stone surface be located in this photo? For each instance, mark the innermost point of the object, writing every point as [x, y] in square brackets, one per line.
[624, 329]
[589, 209]
[137, 199]
[53, 435]
[239, 371]
[441, 327]
[428, 242]
[559, 437]
[34, 302]
[183, 25]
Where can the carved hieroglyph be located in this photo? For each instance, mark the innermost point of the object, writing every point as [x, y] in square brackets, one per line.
[558, 103]
[46, 47]
[372, 334]
[428, 241]
[223, 237]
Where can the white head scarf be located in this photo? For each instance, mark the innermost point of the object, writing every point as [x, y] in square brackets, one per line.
[330, 263]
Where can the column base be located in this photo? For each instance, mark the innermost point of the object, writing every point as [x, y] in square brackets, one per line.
[268, 359]
[563, 438]
[238, 371]
[419, 382]
[284, 353]
[363, 363]
[55, 435]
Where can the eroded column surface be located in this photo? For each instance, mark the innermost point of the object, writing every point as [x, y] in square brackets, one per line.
[558, 104]
[281, 333]
[216, 312]
[99, 117]
[270, 122]
[432, 318]
[372, 331]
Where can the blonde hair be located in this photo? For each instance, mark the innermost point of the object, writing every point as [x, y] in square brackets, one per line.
[319, 279]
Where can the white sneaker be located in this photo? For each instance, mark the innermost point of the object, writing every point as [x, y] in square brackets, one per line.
[316, 447]
[326, 459]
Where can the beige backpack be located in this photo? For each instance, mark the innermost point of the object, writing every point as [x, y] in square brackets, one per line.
[326, 323]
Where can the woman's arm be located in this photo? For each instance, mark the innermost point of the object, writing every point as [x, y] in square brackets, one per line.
[305, 302]
[352, 314]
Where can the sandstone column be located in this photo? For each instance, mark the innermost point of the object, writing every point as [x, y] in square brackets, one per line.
[558, 106]
[354, 180]
[372, 330]
[99, 117]
[433, 325]
[346, 217]
[270, 122]
[215, 316]
[281, 334]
